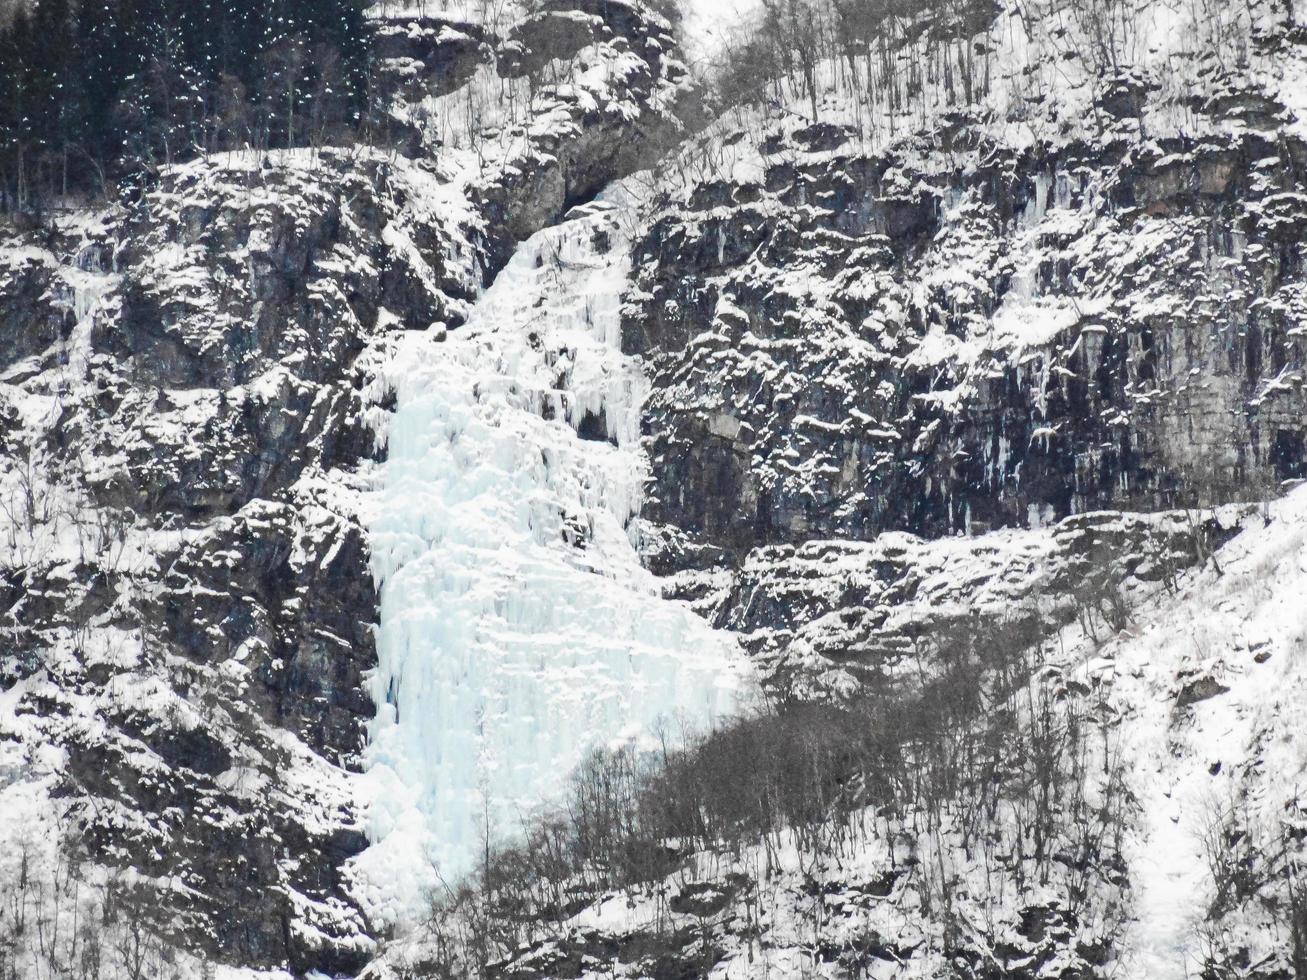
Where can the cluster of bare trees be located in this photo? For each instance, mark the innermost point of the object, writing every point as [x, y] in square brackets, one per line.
[882, 53]
[892, 61]
[1258, 876]
[973, 756]
[63, 919]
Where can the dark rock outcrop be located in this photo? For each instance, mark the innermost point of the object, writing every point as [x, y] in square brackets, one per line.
[428, 55]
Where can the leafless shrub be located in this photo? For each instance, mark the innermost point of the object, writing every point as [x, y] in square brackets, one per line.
[1099, 596]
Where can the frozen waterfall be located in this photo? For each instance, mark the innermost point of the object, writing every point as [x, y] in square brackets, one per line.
[518, 628]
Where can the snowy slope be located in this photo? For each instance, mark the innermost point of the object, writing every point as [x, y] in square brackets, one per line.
[1237, 640]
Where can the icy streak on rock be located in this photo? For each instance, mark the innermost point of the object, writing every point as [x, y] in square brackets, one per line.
[518, 627]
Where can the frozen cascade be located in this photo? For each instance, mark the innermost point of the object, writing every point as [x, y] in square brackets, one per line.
[518, 628]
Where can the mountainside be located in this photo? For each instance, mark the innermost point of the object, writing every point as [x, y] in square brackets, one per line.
[829, 512]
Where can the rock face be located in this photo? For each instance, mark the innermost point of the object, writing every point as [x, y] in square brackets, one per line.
[824, 618]
[429, 55]
[864, 343]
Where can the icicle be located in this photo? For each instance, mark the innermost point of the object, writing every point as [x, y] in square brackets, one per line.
[1063, 191]
[1037, 204]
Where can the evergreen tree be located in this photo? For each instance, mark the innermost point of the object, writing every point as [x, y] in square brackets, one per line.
[101, 54]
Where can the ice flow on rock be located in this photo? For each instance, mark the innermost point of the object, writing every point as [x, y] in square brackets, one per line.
[518, 628]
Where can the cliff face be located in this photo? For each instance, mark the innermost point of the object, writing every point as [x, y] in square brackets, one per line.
[187, 573]
[915, 378]
[990, 337]
[987, 338]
